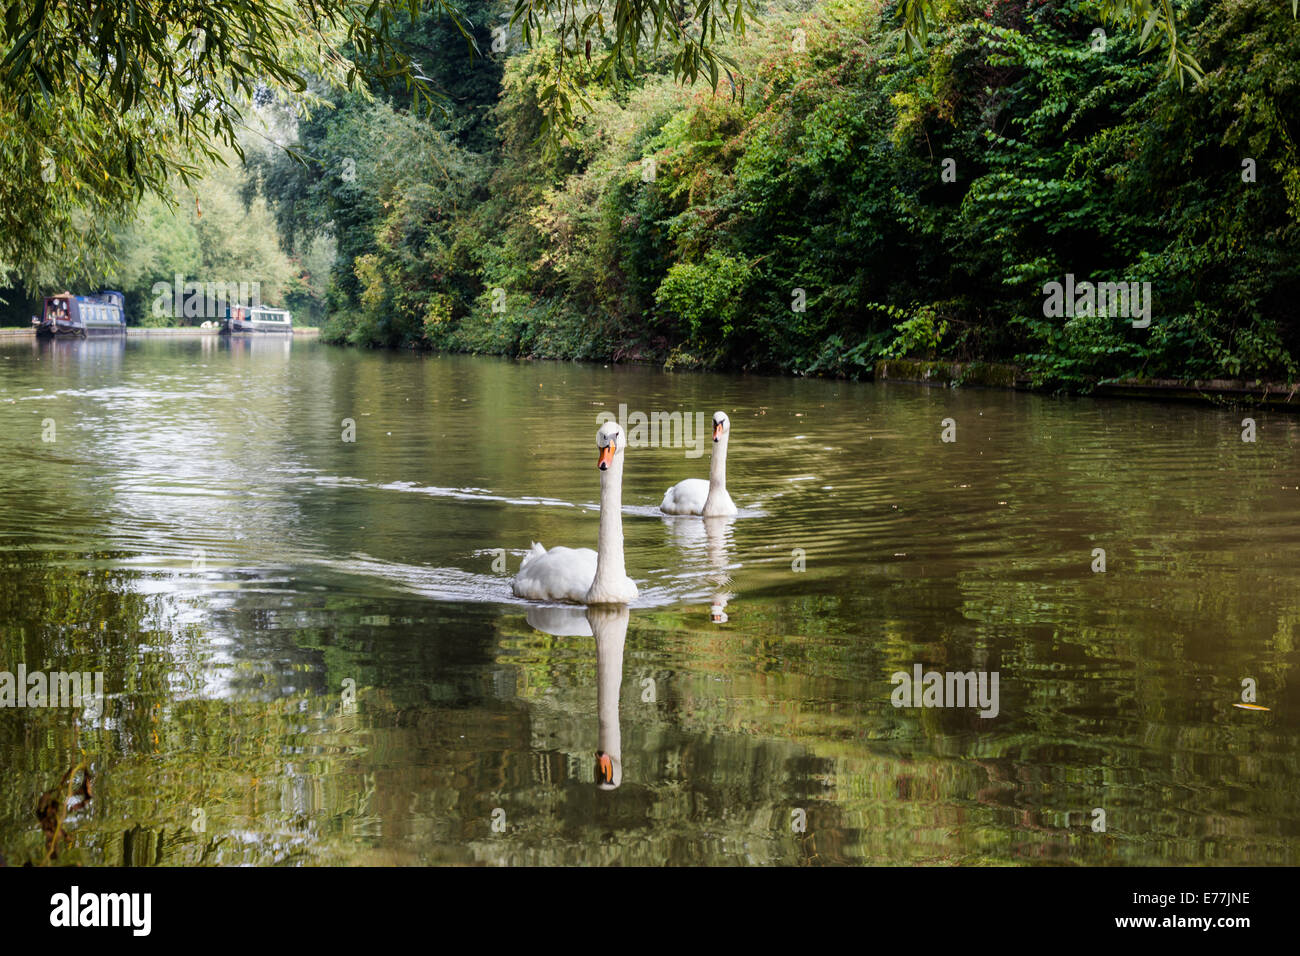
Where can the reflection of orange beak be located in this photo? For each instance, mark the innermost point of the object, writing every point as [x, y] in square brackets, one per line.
[606, 457]
[717, 430]
[604, 768]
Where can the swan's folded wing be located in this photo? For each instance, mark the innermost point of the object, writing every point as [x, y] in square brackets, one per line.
[560, 574]
[535, 551]
[686, 497]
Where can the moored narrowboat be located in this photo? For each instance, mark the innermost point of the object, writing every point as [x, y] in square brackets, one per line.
[82, 315]
[256, 318]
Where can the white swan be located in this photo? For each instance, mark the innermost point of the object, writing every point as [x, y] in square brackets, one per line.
[580, 575]
[695, 496]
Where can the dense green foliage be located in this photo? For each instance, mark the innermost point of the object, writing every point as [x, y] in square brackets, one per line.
[830, 197]
[210, 232]
[103, 102]
[393, 188]
[845, 201]
[215, 237]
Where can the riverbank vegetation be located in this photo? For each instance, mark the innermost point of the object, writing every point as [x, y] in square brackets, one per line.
[837, 197]
[839, 201]
[105, 107]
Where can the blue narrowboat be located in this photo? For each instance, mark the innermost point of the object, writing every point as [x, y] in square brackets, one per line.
[83, 315]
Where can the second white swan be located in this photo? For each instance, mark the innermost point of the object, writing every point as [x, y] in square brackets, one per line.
[695, 496]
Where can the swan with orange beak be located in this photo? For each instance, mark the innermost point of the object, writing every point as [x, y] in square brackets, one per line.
[580, 575]
[695, 496]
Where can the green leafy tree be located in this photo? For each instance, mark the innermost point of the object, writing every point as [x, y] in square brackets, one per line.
[104, 101]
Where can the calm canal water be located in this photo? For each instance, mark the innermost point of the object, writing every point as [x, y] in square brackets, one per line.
[199, 531]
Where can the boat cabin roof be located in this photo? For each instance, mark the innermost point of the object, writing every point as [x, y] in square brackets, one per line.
[92, 299]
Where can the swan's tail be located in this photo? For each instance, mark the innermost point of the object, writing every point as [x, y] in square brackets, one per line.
[535, 551]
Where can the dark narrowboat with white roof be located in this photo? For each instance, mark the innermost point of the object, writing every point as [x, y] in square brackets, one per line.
[82, 315]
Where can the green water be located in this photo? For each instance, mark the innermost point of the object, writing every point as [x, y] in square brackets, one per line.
[199, 532]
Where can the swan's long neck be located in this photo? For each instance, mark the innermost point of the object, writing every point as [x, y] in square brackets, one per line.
[718, 465]
[609, 540]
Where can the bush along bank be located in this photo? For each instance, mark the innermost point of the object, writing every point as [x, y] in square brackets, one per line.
[1026, 192]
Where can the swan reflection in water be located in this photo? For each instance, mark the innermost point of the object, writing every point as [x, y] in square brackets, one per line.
[608, 624]
[705, 544]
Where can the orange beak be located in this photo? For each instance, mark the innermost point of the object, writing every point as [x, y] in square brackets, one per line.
[606, 457]
[604, 768]
[717, 430]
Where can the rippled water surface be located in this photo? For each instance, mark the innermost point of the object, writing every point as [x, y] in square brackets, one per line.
[199, 532]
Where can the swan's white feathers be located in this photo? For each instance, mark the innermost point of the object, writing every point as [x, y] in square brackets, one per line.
[607, 431]
[569, 574]
[533, 552]
[687, 497]
[691, 496]
[560, 574]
